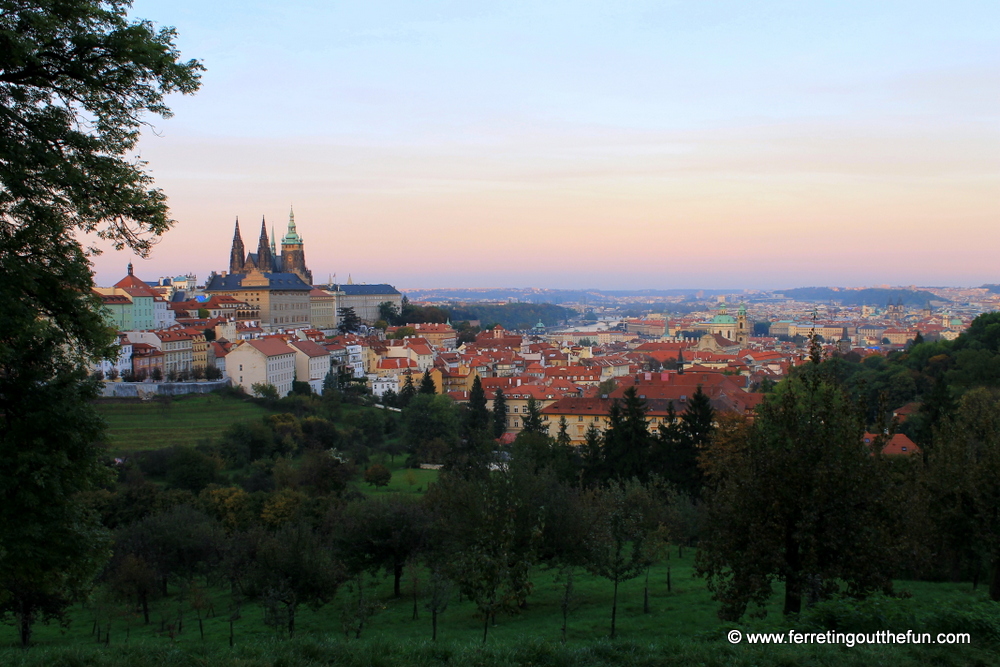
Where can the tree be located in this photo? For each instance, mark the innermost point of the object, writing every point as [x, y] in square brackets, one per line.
[266, 391]
[408, 391]
[378, 475]
[290, 568]
[430, 426]
[427, 384]
[349, 322]
[388, 311]
[499, 414]
[379, 533]
[799, 499]
[493, 532]
[76, 80]
[532, 421]
[627, 440]
[964, 466]
[618, 532]
[477, 417]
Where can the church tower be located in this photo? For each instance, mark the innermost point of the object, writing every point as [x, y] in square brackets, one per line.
[293, 256]
[742, 328]
[238, 253]
[265, 262]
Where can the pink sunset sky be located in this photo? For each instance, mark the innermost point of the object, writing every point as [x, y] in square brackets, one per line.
[575, 145]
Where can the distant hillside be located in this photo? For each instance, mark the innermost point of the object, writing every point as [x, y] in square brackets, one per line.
[556, 296]
[871, 296]
[514, 315]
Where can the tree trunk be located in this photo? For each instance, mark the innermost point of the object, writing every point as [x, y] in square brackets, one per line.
[669, 586]
[397, 575]
[434, 624]
[486, 626]
[145, 608]
[614, 609]
[793, 576]
[24, 626]
[291, 621]
[645, 594]
[995, 579]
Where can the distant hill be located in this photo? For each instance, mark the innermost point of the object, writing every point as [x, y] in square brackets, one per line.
[538, 295]
[871, 296]
[513, 315]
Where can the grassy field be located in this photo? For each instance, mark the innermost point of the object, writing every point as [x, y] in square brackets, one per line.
[184, 420]
[686, 612]
[409, 481]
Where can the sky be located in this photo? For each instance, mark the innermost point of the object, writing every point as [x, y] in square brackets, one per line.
[587, 145]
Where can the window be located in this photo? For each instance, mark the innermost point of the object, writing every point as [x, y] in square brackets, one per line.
[580, 418]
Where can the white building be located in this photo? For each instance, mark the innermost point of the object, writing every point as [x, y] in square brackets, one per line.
[262, 361]
[312, 363]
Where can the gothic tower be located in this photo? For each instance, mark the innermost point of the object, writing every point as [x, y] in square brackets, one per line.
[293, 256]
[265, 262]
[238, 254]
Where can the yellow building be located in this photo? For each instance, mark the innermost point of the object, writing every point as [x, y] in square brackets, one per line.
[282, 299]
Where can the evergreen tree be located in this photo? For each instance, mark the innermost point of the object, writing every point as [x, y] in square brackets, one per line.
[563, 438]
[427, 384]
[349, 322]
[679, 446]
[408, 391]
[594, 470]
[499, 414]
[532, 421]
[477, 418]
[627, 440]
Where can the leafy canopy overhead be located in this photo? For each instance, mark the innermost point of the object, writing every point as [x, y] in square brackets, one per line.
[76, 79]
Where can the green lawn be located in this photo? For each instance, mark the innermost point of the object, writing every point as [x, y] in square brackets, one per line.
[184, 420]
[686, 612]
[404, 480]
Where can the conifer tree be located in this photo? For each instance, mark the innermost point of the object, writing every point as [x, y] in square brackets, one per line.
[499, 414]
[427, 384]
[408, 391]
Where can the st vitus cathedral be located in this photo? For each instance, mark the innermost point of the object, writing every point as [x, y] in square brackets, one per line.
[266, 260]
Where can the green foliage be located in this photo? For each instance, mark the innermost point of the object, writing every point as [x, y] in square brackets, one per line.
[964, 469]
[381, 533]
[514, 315]
[378, 475]
[430, 426]
[190, 469]
[800, 500]
[499, 413]
[627, 440]
[348, 320]
[76, 80]
[427, 384]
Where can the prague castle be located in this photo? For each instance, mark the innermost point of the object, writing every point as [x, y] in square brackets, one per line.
[266, 260]
[278, 288]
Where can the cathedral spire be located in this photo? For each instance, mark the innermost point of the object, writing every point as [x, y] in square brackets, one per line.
[292, 237]
[238, 253]
[265, 261]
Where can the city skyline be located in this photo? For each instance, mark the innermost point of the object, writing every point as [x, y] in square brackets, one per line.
[574, 146]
